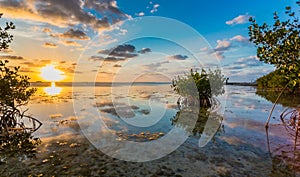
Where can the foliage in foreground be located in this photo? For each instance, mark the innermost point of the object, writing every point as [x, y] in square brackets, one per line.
[18, 144]
[279, 44]
[14, 94]
[199, 87]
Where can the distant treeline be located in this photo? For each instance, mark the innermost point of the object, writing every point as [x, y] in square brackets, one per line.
[275, 80]
[242, 83]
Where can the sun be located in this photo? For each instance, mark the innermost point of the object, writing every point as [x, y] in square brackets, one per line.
[50, 73]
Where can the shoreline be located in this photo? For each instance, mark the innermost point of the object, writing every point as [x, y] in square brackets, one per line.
[68, 84]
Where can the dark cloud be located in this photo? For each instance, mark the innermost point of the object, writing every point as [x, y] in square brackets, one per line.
[97, 14]
[119, 53]
[125, 50]
[71, 10]
[11, 57]
[96, 58]
[72, 34]
[105, 72]
[50, 45]
[178, 57]
[117, 66]
[114, 58]
[13, 3]
[144, 50]
[106, 8]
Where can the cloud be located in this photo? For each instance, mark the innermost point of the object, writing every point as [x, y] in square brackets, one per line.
[222, 46]
[11, 57]
[154, 66]
[126, 51]
[242, 63]
[155, 8]
[94, 13]
[246, 75]
[246, 69]
[107, 8]
[6, 50]
[72, 34]
[140, 14]
[36, 63]
[144, 50]
[66, 69]
[251, 61]
[71, 43]
[177, 57]
[50, 45]
[117, 66]
[65, 66]
[120, 52]
[241, 19]
[26, 70]
[105, 72]
[109, 59]
[47, 30]
[204, 49]
[240, 38]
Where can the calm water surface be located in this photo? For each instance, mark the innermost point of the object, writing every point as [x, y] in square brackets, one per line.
[230, 142]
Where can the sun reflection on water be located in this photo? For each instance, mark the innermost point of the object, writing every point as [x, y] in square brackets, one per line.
[53, 90]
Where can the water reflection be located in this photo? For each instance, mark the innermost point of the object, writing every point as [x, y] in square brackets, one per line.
[244, 141]
[286, 99]
[207, 123]
[53, 90]
[285, 157]
[285, 160]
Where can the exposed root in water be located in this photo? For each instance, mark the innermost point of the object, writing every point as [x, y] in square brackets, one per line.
[288, 154]
[291, 121]
[273, 107]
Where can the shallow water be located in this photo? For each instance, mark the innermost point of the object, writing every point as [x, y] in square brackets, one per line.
[130, 131]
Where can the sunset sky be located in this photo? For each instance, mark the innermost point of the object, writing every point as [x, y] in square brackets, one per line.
[107, 40]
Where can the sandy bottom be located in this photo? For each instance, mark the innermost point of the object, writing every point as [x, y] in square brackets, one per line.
[73, 155]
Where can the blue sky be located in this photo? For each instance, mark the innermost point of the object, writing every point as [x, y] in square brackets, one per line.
[76, 37]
